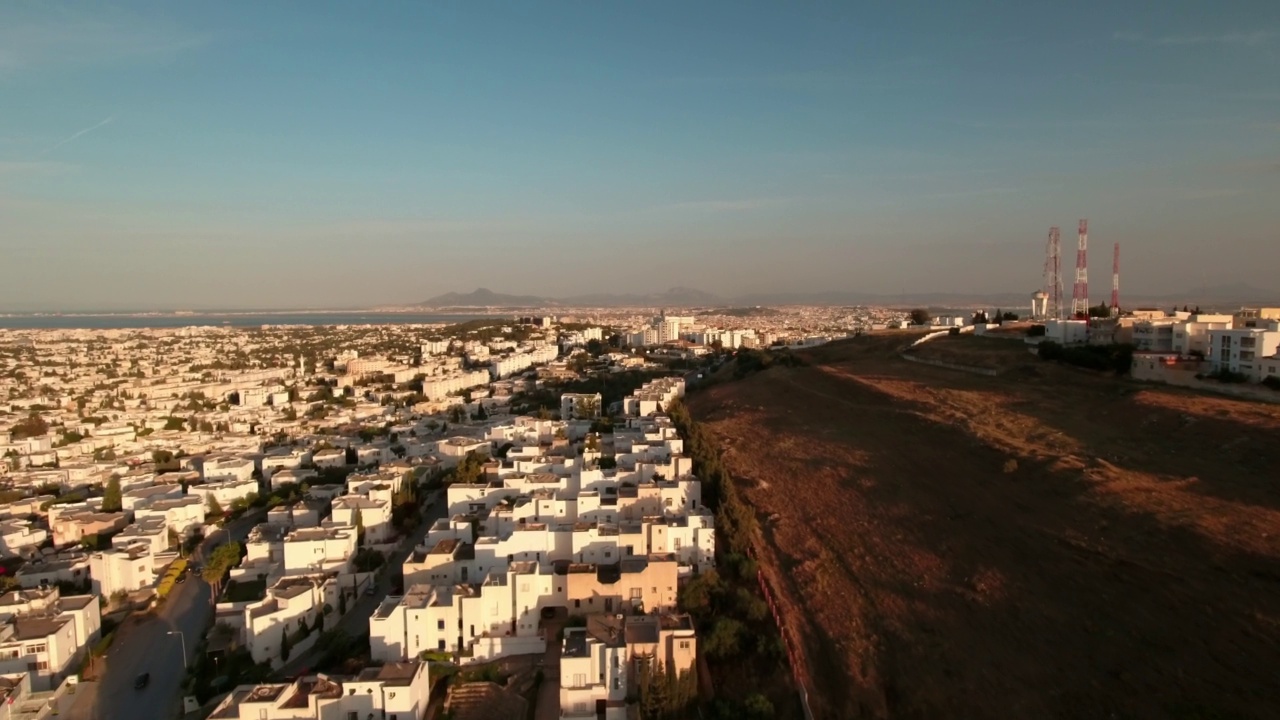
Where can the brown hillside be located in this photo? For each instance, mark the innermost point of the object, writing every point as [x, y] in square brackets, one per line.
[1048, 543]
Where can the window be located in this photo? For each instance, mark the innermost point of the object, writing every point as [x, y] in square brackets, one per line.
[353, 715]
[635, 593]
[684, 644]
[36, 649]
[42, 664]
[577, 603]
[439, 624]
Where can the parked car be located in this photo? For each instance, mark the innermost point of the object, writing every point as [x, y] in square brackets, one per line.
[142, 681]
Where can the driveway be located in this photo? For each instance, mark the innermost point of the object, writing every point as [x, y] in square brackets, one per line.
[144, 644]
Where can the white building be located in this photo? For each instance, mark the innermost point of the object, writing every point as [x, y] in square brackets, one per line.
[593, 670]
[20, 537]
[512, 364]
[45, 635]
[394, 691]
[1067, 332]
[375, 517]
[580, 406]
[225, 492]
[1243, 350]
[228, 469]
[121, 570]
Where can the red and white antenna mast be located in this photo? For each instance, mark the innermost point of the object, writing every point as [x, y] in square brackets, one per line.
[1080, 293]
[1053, 275]
[1115, 282]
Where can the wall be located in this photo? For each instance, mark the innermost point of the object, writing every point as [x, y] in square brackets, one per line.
[491, 648]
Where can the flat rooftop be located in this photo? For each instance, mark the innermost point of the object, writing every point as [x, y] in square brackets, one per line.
[392, 673]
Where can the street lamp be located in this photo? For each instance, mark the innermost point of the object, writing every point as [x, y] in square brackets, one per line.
[183, 639]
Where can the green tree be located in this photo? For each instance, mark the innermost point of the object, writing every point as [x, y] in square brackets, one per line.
[758, 707]
[221, 560]
[284, 643]
[359, 526]
[161, 457]
[920, 316]
[32, 426]
[724, 639]
[214, 507]
[111, 496]
[457, 413]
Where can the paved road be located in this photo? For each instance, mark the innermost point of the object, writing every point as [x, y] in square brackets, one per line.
[143, 645]
[356, 621]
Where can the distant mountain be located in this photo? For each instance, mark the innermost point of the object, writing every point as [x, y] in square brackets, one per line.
[1223, 296]
[484, 297]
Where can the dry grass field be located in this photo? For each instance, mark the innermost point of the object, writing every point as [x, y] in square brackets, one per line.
[1048, 543]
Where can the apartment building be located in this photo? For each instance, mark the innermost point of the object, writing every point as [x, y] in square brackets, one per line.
[273, 549]
[1244, 350]
[290, 604]
[374, 516]
[72, 527]
[580, 406]
[224, 492]
[121, 570]
[48, 570]
[439, 388]
[183, 514]
[602, 662]
[152, 534]
[393, 691]
[20, 537]
[45, 634]
[653, 397]
[594, 670]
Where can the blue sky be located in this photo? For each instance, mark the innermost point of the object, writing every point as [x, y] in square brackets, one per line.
[234, 154]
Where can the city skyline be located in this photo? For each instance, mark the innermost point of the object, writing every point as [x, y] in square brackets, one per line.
[245, 156]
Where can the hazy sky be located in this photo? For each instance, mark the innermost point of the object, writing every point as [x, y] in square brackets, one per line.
[305, 154]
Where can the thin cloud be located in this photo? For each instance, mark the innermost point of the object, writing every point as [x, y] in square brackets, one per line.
[724, 205]
[33, 168]
[78, 134]
[36, 37]
[1256, 37]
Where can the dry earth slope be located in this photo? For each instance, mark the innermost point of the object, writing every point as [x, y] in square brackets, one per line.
[1048, 543]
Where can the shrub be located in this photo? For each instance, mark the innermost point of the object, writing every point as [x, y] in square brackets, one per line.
[1272, 382]
[1117, 358]
[723, 641]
